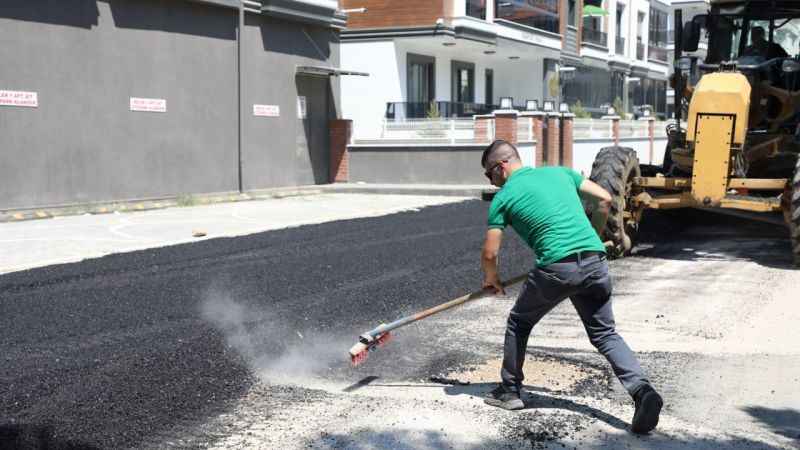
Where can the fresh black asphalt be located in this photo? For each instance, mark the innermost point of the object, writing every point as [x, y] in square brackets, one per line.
[120, 351]
[116, 351]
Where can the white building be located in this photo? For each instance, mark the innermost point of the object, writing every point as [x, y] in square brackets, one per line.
[461, 57]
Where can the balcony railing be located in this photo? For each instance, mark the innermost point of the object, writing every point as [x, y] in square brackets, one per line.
[659, 38]
[657, 53]
[595, 36]
[541, 14]
[640, 50]
[421, 110]
[620, 46]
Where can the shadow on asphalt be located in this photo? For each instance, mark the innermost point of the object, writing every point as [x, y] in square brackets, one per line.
[35, 437]
[360, 383]
[696, 235]
[784, 422]
[534, 400]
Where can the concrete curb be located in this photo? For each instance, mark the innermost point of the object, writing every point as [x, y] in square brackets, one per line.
[412, 189]
[126, 206]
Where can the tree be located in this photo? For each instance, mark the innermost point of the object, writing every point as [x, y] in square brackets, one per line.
[580, 112]
[619, 108]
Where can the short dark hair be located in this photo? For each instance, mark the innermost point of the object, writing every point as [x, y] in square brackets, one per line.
[499, 150]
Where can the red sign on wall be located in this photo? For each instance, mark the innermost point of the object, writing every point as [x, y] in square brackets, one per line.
[19, 98]
[148, 104]
[267, 110]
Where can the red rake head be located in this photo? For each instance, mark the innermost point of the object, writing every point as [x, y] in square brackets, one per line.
[360, 351]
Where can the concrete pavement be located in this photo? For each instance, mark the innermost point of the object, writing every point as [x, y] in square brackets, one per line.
[28, 244]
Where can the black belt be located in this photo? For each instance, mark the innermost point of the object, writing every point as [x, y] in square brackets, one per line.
[576, 257]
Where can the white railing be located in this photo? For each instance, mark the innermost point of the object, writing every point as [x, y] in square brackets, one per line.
[525, 130]
[634, 129]
[592, 129]
[661, 130]
[424, 132]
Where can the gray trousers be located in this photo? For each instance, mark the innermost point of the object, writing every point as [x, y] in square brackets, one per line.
[587, 283]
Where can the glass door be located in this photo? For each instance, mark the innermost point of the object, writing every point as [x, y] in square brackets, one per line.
[420, 85]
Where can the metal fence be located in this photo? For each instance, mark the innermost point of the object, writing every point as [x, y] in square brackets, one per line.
[657, 53]
[595, 36]
[435, 109]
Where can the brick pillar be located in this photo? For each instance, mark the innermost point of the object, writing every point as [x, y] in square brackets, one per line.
[651, 133]
[538, 135]
[505, 125]
[567, 141]
[613, 122]
[340, 132]
[482, 128]
[553, 139]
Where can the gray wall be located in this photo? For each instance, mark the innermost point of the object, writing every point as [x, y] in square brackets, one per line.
[408, 165]
[271, 153]
[85, 59]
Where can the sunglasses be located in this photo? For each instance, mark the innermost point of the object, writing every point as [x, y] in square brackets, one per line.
[489, 171]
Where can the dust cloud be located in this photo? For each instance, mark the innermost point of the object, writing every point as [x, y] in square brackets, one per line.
[276, 351]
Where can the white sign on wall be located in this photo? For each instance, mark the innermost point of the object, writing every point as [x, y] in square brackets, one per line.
[19, 98]
[301, 107]
[148, 104]
[267, 110]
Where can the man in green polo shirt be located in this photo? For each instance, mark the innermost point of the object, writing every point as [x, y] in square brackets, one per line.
[544, 208]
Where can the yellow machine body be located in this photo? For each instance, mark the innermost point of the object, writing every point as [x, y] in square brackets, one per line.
[717, 122]
[719, 114]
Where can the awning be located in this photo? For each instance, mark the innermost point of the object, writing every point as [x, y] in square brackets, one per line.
[594, 11]
[328, 71]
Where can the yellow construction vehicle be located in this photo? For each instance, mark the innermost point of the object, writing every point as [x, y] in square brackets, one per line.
[738, 148]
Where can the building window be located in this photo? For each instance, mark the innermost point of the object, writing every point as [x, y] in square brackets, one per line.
[587, 86]
[571, 6]
[542, 14]
[640, 36]
[463, 82]
[658, 27]
[593, 26]
[489, 87]
[620, 43]
[420, 83]
[476, 9]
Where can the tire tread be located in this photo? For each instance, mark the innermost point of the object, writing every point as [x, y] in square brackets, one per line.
[611, 168]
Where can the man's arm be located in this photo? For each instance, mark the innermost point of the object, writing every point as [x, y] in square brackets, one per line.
[491, 249]
[601, 202]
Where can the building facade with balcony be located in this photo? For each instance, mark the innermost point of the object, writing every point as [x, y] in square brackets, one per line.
[458, 58]
[429, 58]
[624, 49]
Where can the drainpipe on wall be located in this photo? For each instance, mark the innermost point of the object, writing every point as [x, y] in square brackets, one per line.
[239, 94]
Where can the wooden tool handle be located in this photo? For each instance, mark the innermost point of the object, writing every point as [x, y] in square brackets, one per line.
[439, 308]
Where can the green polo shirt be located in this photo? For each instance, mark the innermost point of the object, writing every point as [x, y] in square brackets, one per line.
[543, 207]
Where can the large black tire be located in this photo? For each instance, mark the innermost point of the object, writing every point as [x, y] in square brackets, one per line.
[794, 215]
[614, 169]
